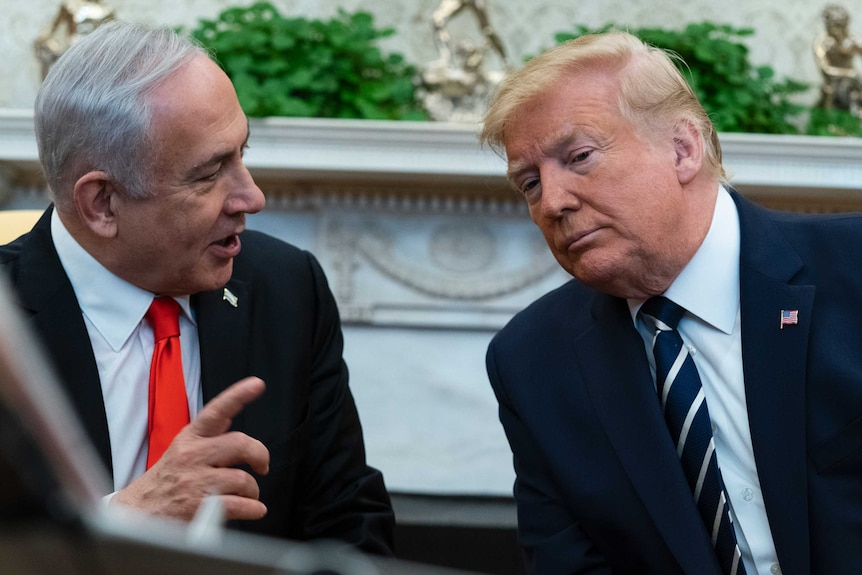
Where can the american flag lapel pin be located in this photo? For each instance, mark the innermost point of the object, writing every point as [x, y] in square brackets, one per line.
[229, 297]
[789, 317]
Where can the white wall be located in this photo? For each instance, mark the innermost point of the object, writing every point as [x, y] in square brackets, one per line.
[785, 29]
[428, 412]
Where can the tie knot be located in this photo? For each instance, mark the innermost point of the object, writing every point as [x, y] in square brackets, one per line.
[164, 317]
[662, 309]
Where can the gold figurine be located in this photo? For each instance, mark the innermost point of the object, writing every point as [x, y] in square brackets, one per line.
[74, 19]
[456, 83]
[836, 51]
[451, 8]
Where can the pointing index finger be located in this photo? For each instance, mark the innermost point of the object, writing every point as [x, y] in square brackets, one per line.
[215, 417]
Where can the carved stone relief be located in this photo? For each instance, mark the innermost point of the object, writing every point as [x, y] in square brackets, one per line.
[401, 266]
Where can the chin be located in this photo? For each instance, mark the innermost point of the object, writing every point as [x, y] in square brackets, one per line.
[216, 279]
[598, 277]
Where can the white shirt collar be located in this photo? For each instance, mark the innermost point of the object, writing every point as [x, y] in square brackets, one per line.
[114, 306]
[708, 286]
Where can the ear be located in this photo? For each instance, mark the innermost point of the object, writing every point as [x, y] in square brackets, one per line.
[95, 196]
[688, 147]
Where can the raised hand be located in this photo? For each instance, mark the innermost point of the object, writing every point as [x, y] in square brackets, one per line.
[199, 462]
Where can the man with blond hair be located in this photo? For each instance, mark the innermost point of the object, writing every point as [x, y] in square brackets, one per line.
[691, 401]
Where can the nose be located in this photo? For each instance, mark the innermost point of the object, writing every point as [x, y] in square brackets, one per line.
[558, 193]
[246, 197]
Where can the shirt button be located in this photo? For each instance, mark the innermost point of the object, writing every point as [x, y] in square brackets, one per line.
[748, 495]
[691, 349]
[775, 569]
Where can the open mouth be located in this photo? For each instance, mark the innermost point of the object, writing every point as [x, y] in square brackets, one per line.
[228, 246]
[227, 241]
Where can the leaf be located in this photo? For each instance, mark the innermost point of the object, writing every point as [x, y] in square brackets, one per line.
[305, 67]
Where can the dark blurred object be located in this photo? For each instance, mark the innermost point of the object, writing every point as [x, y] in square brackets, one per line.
[473, 532]
[52, 520]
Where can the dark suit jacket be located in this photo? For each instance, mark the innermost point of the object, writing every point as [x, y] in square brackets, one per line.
[599, 486]
[285, 330]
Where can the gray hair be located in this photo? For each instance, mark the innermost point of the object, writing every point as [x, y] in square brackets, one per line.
[93, 112]
[654, 95]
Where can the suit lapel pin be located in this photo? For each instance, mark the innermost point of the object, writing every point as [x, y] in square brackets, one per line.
[230, 298]
[789, 317]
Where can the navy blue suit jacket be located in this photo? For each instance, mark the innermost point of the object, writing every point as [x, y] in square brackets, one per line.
[285, 329]
[599, 486]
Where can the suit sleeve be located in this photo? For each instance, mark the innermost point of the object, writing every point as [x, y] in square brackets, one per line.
[551, 539]
[342, 497]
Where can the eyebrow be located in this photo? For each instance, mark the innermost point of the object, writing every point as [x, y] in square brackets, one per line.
[513, 172]
[561, 141]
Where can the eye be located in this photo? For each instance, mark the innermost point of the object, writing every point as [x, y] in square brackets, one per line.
[212, 177]
[530, 188]
[580, 156]
[526, 184]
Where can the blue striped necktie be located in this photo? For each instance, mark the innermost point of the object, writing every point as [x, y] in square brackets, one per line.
[687, 417]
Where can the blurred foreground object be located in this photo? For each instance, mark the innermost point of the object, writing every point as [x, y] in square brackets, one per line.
[52, 521]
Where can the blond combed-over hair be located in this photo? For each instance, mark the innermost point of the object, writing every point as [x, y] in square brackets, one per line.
[653, 93]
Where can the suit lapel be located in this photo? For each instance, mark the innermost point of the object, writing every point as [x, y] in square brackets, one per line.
[224, 330]
[45, 292]
[774, 363]
[625, 400]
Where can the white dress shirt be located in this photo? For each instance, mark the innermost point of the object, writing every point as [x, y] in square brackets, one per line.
[708, 288]
[122, 341]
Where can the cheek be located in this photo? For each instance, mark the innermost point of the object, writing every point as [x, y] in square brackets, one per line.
[190, 228]
[536, 216]
[546, 226]
[644, 202]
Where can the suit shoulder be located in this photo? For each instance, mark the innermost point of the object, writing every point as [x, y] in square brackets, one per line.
[564, 308]
[256, 243]
[813, 235]
[801, 221]
[261, 253]
[10, 254]
[266, 260]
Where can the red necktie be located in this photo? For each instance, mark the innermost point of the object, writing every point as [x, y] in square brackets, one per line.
[168, 406]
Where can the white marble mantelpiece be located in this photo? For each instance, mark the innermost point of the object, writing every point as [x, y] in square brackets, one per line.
[352, 153]
[428, 253]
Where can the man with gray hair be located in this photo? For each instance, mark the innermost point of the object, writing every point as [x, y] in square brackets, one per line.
[164, 316]
[691, 401]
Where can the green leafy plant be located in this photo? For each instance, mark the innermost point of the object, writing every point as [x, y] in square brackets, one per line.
[312, 68]
[738, 96]
[825, 122]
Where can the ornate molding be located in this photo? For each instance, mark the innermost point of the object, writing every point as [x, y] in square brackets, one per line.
[306, 164]
[460, 262]
[440, 271]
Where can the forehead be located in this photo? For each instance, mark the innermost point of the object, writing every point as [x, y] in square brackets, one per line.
[196, 110]
[580, 104]
[199, 88]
